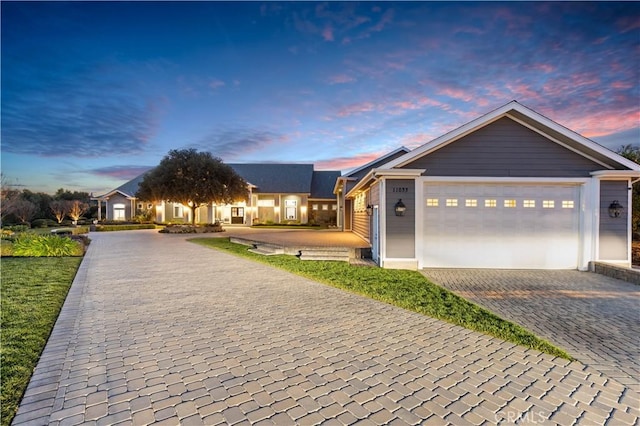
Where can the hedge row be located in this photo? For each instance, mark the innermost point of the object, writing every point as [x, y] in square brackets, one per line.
[108, 228]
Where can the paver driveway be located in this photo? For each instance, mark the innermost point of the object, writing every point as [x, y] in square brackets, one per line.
[160, 330]
[594, 318]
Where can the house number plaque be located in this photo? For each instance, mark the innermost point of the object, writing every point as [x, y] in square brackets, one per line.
[401, 189]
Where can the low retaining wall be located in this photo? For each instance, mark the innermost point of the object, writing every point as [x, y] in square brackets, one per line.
[615, 271]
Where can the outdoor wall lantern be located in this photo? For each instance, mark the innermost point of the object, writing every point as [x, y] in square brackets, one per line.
[400, 208]
[615, 209]
[369, 210]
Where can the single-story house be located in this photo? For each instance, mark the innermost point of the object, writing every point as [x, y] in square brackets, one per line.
[276, 193]
[510, 189]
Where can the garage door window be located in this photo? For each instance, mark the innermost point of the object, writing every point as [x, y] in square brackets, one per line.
[432, 202]
[452, 202]
[567, 204]
[490, 203]
[529, 204]
[548, 204]
[471, 203]
[509, 203]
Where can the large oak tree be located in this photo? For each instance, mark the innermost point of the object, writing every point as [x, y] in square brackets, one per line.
[192, 179]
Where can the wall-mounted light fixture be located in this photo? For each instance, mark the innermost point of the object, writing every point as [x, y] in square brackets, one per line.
[400, 208]
[369, 210]
[615, 209]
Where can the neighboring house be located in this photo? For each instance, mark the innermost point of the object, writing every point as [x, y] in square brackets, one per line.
[511, 189]
[277, 193]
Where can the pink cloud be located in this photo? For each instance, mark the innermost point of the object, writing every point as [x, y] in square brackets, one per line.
[357, 108]
[327, 33]
[603, 123]
[341, 79]
[347, 163]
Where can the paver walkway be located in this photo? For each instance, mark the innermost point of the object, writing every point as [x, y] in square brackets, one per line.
[160, 330]
[593, 317]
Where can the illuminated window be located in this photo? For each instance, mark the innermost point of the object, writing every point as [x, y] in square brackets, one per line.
[529, 203]
[314, 207]
[334, 207]
[548, 204]
[471, 203]
[452, 202]
[266, 203]
[567, 204]
[490, 203]
[509, 203]
[178, 210]
[119, 212]
[325, 207]
[432, 202]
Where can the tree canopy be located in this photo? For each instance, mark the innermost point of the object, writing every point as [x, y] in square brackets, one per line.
[192, 179]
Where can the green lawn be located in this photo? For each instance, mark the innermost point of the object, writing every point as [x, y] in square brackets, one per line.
[406, 289]
[33, 291]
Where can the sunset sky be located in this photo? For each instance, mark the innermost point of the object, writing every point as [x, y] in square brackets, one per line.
[94, 93]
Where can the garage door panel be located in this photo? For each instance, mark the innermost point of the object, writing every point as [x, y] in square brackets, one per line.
[482, 232]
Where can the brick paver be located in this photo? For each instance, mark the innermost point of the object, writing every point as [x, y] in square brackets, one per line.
[593, 317]
[157, 329]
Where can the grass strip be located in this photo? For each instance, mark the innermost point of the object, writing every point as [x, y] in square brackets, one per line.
[406, 289]
[33, 292]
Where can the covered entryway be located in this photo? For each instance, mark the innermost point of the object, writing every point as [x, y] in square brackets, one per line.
[501, 225]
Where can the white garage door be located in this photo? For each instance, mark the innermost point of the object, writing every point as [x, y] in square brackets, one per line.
[501, 226]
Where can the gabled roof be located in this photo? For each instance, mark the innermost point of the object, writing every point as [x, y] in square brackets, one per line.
[322, 184]
[534, 121]
[362, 170]
[277, 178]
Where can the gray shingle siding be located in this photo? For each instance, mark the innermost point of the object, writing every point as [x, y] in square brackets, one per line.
[505, 149]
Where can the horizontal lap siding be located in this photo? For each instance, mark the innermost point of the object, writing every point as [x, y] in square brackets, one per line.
[614, 244]
[505, 148]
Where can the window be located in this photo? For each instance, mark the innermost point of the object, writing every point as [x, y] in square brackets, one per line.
[451, 202]
[149, 206]
[266, 203]
[432, 202]
[529, 204]
[139, 206]
[509, 203]
[314, 207]
[548, 204]
[325, 207]
[119, 212]
[178, 210]
[490, 203]
[334, 207]
[567, 204]
[471, 202]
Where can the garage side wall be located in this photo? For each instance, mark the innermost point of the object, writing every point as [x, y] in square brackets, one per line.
[400, 230]
[614, 244]
[505, 149]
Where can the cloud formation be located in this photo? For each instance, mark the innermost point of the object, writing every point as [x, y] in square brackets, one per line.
[120, 172]
[230, 144]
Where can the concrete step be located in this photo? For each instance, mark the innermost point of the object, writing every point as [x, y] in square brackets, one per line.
[266, 249]
[362, 262]
[325, 253]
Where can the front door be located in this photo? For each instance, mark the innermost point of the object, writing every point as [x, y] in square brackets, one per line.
[237, 215]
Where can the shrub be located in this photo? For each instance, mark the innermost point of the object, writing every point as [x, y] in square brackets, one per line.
[18, 228]
[33, 245]
[6, 248]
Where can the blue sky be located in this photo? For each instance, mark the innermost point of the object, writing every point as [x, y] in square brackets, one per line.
[94, 93]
